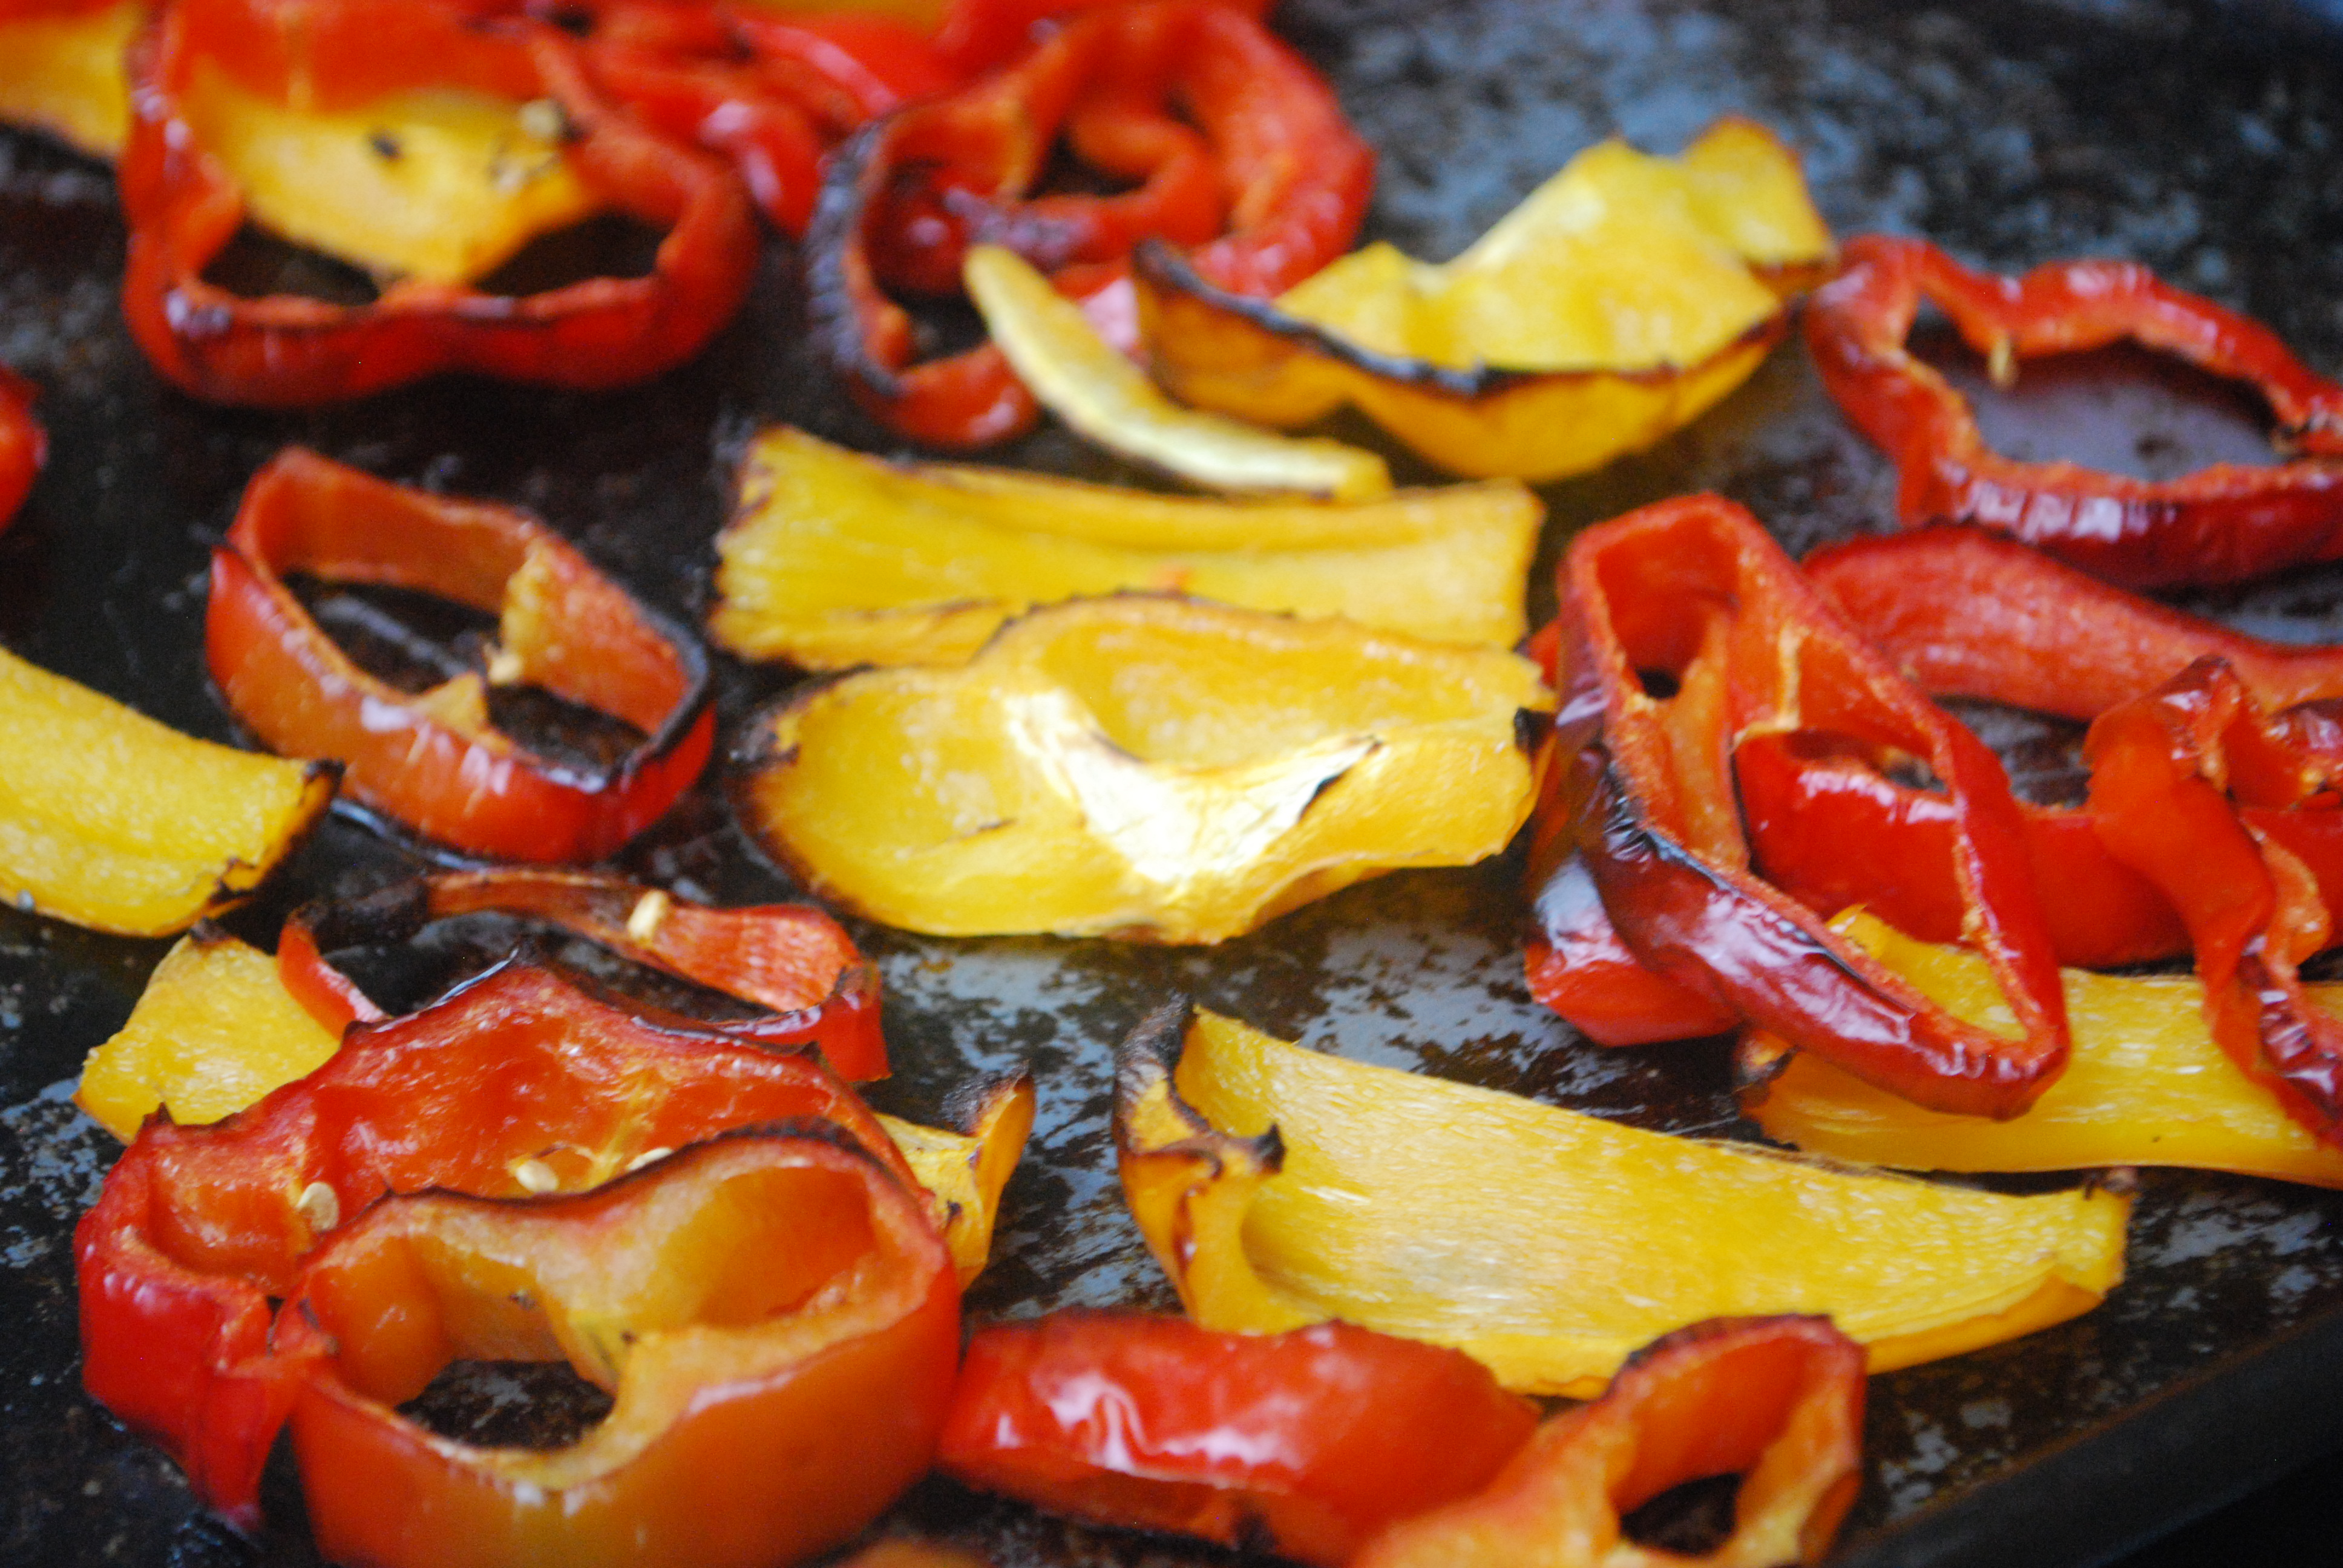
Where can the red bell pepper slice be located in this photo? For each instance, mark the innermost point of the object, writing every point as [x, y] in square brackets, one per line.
[792, 959]
[23, 445]
[1778, 1401]
[289, 350]
[517, 1082]
[1219, 124]
[2167, 772]
[1306, 1444]
[2220, 524]
[773, 1310]
[1691, 597]
[433, 761]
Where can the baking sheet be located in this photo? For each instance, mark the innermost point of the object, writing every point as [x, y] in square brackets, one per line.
[2198, 137]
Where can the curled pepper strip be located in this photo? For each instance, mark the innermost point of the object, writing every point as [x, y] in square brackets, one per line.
[1307, 1444]
[289, 350]
[23, 445]
[791, 959]
[2220, 524]
[1262, 150]
[2167, 771]
[774, 1315]
[433, 761]
[518, 1083]
[1694, 593]
[1777, 1400]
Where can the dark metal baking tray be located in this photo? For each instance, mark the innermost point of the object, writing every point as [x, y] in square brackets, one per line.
[2198, 137]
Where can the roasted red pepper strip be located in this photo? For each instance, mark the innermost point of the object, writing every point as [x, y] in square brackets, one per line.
[289, 350]
[773, 1310]
[1306, 1444]
[1778, 1401]
[1220, 125]
[1692, 593]
[2217, 525]
[792, 959]
[24, 445]
[433, 761]
[518, 1083]
[2167, 772]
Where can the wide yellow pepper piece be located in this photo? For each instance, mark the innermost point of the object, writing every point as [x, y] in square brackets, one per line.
[964, 1170]
[1615, 304]
[2145, 1084]
[214, 1030]
[1141, 766]
[62, 72]
[1279, 1187]
[1085, 381]
[439, 186]
[834, 560]
[111, 820]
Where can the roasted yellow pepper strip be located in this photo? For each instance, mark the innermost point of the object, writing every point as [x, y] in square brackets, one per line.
[62, 72]
[1143, 766]
[1279, 1187]
[440, 186]
[834, 560]
[1083, 380]
[2145, 1084]
[111, 820]
[965, 1170]
[1617, 303]
[214, 1032]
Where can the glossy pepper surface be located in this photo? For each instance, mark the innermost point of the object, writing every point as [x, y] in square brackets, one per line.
[1235, 145]
[2219, 524]
[23, 445]
[1778, 1400]
[518, 1083]
[1306, 1443]
[774, 1315]
[1686, 634]
[434, 761]
[289, 58]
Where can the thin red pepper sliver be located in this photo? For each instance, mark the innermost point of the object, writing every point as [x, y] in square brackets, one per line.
[290, 350]
[23, 445]
[428, 767]
[2221, 524]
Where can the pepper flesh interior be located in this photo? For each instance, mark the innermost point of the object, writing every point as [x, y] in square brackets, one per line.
[1144, 766]
[2147, 1085]
[835, 559]
[1522, 1233]
[441, 185]
[61, 72]
[112, 820]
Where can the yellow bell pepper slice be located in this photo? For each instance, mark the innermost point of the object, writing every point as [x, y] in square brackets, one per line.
[1083, 380]
[1279, 1187]
[964, 1170]
[62, 72]
[834, 560]
[114, 821]
[1143, 766]
[213, 1032]
[439, 186]
[1614, 306]
[2145, 1084]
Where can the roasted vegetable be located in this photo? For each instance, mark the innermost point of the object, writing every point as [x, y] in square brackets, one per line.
[1279, 1187]
[771, 1310]
[2146, 1085]
[834, 560]
[1078, 376]
[1306, 1445]
[61, 69]
[2217, 524]
[517, 1085]
[414, 136]
[112, 820]
[964, 1167]
[1614, 305]
[1142, 767]
[24, 445]
[433, 760]
[1778, 1401]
